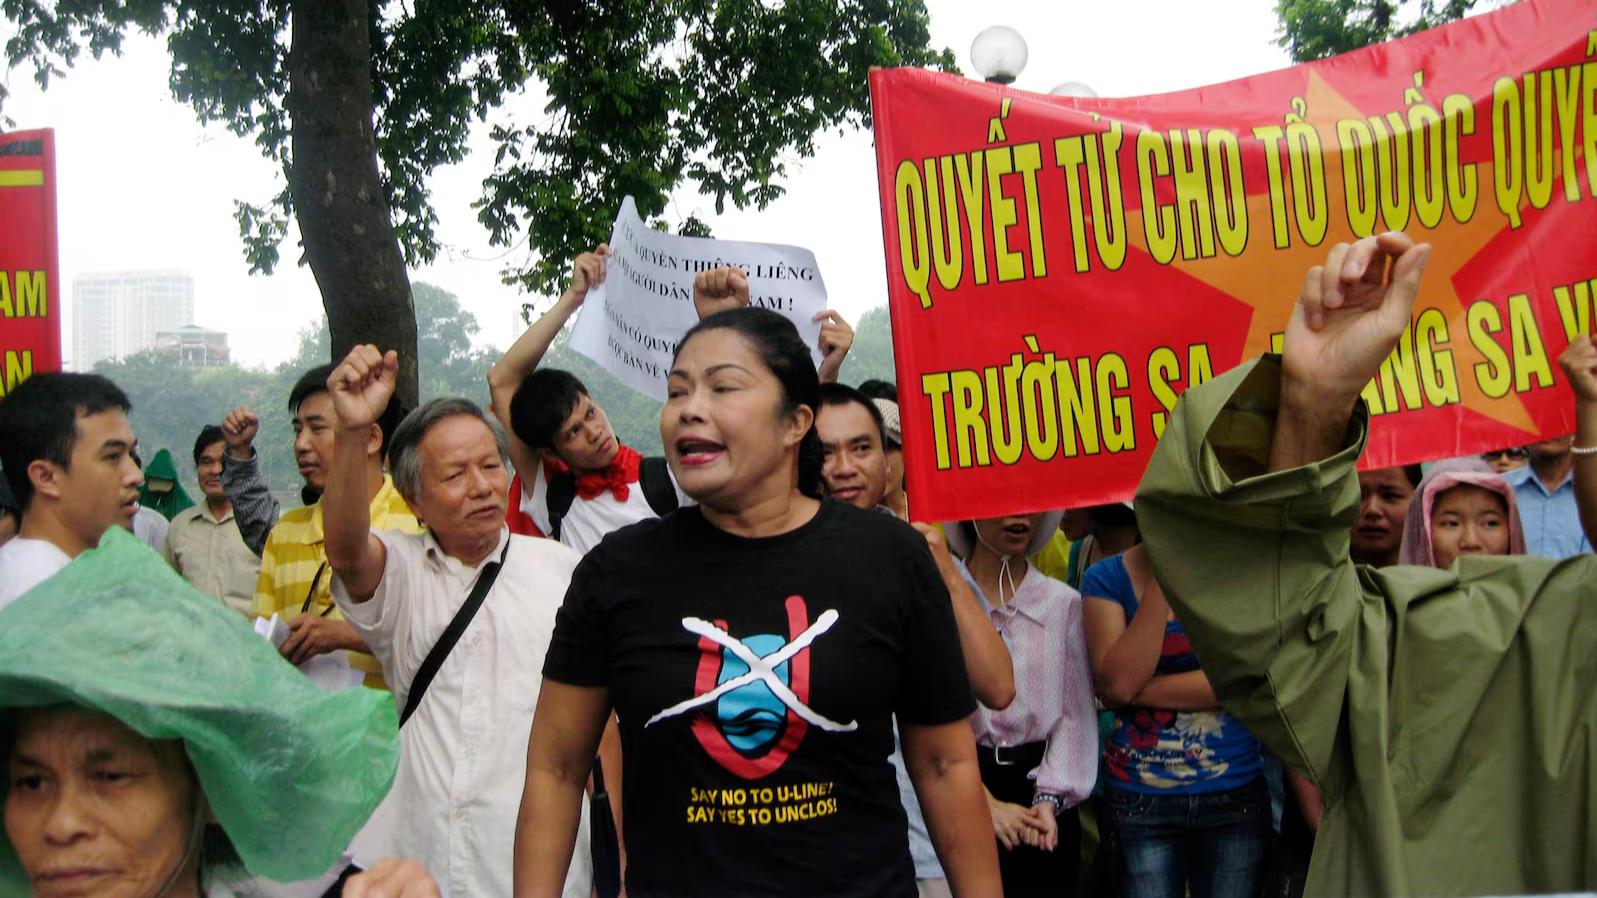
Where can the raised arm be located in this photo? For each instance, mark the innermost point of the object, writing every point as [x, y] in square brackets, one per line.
[254, 509]
[565, 734]
[987, 660]
[526, 354]
[1256, 473]
[720, 289]
[1579, 362]
[361, 388]
[837, 337]
[1350, 314]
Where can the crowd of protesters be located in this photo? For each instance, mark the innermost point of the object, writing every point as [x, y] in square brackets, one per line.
[745, 669]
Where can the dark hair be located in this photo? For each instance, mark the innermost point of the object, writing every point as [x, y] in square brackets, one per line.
[1115, 514]
[783, 352]
[879, 389]
[1415, 474]
[39, 420]
[315, 381]
[542, 403]
[842, 394]
[209, 436]
[406, 455]
[309, 384]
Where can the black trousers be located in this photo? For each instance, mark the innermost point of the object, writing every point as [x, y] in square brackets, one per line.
[1031, 872]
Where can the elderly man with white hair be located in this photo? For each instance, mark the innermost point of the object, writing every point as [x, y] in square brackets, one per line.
[460, 617]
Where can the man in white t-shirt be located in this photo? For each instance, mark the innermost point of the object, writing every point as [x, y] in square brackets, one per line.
[464, 732]
[68, 458]
[575, 481]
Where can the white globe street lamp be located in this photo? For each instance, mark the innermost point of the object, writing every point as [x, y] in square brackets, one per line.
[1073, 89]
[999, 54]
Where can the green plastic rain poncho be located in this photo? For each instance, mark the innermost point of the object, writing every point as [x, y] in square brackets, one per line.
[1447, 715]
[291, 772]
[161, 492]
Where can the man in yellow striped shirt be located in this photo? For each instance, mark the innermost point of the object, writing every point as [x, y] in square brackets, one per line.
[296, 582]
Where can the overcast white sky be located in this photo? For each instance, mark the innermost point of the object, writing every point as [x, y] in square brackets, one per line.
[142, 185]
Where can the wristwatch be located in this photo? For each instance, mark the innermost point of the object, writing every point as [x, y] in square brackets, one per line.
[1059, 805]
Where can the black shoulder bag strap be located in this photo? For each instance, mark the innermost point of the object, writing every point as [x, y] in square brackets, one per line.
[558, 496]
[655, 477]
[446, 643]
[603, 842]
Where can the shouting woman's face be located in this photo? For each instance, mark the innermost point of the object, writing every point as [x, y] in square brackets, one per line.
[726, 435]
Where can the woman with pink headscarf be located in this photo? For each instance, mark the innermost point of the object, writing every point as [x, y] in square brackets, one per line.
[1462, 507]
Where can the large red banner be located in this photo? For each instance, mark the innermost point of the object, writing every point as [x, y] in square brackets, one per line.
[30, 318]
[1061, 269]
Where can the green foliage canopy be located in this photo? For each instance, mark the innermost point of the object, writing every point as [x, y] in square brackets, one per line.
[643, 98]
[1317, 29]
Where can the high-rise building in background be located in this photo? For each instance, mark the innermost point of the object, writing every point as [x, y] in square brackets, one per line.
[118, 313]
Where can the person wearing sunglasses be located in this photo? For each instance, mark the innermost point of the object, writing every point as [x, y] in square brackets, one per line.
[1505, 460]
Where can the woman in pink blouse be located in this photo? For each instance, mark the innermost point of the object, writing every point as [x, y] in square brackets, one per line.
[1039, 756]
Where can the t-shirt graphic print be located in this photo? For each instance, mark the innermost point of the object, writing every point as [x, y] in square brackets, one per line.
[758, 688]
[755, 681]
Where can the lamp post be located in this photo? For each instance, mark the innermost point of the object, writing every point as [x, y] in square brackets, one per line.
[1073, 89]
[999, 54]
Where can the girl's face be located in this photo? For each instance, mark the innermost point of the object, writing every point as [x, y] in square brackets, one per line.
[726, 436]
[1468, 520]
[1009, 535]
[1383, 507]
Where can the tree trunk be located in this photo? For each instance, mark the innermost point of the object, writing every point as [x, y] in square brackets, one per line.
[338, 197]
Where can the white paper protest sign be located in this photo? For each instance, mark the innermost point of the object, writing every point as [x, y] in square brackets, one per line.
[631, 323]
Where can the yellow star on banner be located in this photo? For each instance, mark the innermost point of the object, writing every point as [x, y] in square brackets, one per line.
[1454, 245]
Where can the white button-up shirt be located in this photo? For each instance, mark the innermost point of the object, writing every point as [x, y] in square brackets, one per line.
[463, 758]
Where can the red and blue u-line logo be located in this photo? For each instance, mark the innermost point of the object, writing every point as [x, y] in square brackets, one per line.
[757, 691]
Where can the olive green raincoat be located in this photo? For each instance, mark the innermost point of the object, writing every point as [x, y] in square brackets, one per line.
[1448, 716]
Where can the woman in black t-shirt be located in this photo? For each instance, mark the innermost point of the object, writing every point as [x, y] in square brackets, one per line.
[755, 649]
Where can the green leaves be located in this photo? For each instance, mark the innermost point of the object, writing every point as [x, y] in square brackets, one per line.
[645, 98]
[1317, 29]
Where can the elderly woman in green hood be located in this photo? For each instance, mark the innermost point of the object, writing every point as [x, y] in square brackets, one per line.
[156, 747]
[161, 492]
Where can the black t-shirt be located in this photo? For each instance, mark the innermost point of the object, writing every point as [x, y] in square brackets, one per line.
[780, 784]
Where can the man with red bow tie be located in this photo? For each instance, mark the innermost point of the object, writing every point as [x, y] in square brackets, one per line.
[575, 482]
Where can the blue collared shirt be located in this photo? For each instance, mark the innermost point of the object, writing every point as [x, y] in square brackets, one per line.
[1551, 519]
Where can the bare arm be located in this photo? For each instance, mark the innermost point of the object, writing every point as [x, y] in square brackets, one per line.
[1579, 362]
[987, 661]
[1310, 803]
[565, 734]
[254, 509]
[1124, 653]
[837, 337]
[526, 354]
[941, 761]
[361, 388]
[1188, 691]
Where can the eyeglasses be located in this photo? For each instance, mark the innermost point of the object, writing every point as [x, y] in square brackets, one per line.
[1518, 453]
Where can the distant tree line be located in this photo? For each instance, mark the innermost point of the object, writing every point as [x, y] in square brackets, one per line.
[172, 403]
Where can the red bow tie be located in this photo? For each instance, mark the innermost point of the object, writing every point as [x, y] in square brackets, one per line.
[615, 479]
